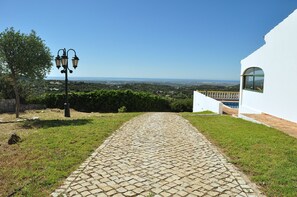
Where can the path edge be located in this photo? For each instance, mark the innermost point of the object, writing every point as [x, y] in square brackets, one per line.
[229, 165]
[62, 189]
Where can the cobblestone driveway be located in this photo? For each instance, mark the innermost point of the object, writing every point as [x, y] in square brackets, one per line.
[156, 154]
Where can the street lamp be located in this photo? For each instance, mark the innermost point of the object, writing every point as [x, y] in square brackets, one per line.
[64, 61]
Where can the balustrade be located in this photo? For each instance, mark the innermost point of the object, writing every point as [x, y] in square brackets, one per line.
[221, 95]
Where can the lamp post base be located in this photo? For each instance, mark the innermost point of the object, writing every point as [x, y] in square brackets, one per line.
[67, 110]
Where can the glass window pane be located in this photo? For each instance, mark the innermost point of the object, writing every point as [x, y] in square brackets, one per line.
[259, 83]
[258, 71]
[253, 79]
[249, 71]
[248, 84]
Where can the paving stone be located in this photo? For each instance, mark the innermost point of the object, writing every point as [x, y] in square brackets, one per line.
[129, 193]
[85, 193]
[121, 190]
[106, 188]
[92, 187]
[82, 189]
[111, 192]
[138, 190]
[55, 194]
[130, 187]
[165, 194]
[159, 153]
[157, 190]
[182, 193]
[96, 191]
[101, 195]
[118, 195]
[198, 193]
[76, 187]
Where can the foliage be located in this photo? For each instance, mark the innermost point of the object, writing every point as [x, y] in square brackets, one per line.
[52, 150]
[23, 56]
[182, 105]
[107, 101]
[176, 91]
[179, 96]
[122, 109]
[6, 89]
[267, 155]
[27, 88]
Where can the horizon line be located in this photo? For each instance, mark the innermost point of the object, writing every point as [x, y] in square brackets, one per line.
[141, 78]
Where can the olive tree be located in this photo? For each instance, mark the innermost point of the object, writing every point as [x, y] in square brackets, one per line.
[23, 56]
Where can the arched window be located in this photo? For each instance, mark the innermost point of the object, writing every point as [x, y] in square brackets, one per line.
[253, 79]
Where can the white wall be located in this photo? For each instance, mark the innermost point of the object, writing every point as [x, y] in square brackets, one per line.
[278, 59]
[205, 103]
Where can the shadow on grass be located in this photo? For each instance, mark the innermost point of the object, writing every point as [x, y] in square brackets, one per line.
[29, 124]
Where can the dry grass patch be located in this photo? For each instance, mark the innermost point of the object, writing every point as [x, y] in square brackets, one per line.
[51, 148]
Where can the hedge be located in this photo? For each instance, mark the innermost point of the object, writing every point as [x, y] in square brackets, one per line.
[182, 105]
[106, 101]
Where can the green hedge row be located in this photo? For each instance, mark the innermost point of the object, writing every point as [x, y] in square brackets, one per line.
[182, 105]
[107, 101]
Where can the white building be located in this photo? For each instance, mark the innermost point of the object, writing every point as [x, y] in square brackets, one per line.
[268, 81]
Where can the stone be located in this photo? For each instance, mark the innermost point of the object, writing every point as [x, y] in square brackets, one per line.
[14, 138]
[157, 154]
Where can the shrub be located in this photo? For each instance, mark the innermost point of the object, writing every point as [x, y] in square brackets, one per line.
[182, 105]
[106, 101]
[122, 109]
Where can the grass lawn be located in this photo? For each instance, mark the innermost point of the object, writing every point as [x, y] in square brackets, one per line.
[266, 155]
[51, 149]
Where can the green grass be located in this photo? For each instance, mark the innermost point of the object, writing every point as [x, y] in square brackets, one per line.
[267, 155]
[45, 157]
[202, 113]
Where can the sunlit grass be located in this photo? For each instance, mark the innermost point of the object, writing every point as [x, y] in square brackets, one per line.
[51, 150]
[267, 155]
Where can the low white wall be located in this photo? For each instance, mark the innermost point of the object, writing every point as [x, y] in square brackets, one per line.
[205, 103]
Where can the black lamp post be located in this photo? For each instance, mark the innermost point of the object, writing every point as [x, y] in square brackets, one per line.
[64, 61]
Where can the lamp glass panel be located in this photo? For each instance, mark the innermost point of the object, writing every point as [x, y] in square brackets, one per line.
[58, 62]
[64, 61]
[74, 62]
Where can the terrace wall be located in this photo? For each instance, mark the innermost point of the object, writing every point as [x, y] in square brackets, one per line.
[205, 103]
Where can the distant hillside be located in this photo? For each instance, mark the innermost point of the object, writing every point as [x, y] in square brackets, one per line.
[160, 89]
[184, 82]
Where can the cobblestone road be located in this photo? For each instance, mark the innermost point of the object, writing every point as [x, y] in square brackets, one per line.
[156, 154]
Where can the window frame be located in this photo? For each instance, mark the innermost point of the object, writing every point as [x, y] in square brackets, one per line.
[253, 75]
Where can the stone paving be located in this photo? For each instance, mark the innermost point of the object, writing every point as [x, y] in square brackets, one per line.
[157, 154]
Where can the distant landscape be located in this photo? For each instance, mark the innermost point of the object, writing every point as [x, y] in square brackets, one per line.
[172, 88]
[116, 94]
[166, 81]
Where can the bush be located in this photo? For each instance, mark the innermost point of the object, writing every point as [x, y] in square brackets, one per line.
[122, 109]
[106, 101]
[182, 105]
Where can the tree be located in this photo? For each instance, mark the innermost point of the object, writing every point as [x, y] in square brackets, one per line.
[23, 57]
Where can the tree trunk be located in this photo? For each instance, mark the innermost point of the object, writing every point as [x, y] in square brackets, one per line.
[17, 99]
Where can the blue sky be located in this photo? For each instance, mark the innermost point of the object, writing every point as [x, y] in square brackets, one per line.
[186, 39]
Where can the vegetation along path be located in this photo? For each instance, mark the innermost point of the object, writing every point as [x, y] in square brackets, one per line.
[157, 154]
